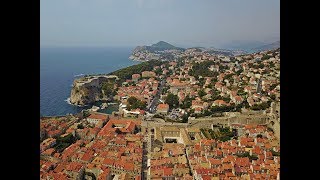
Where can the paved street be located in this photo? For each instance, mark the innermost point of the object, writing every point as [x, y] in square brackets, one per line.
[153, 105]
[146, 150]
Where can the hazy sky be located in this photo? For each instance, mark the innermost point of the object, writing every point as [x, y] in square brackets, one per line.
[217, 23]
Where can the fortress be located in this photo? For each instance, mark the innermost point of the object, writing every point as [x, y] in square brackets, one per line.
[186, 136]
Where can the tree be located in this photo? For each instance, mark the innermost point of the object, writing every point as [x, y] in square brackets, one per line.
[80, 126]
[126, 73]
[107, 88]
[261, 106]
[261, 65]
[132, 100]
[224, 138]
[226, 99]
[201, 93]
[85, 114]
[201, 69]
[215, 96]
[275, 153]
[134, 103]
[239, 72]
[228, 76]
[207, 113]
[185, 118]
[172, 100]
[64, 142]
[158, 71]
[264, 57]
[186, 103]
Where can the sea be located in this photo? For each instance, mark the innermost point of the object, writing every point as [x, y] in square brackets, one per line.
[60, 66]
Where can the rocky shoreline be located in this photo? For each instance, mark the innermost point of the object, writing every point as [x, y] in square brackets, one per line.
[87, 90]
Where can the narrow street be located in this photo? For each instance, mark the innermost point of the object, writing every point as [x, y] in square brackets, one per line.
[153, 105]
[145, 175]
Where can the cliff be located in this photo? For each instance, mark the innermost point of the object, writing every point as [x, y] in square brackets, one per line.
[87, 90]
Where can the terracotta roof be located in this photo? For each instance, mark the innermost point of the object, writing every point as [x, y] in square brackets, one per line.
[163, 107]
[104, 175]
[127, 126]
[244, 162]
[88, 156]
[227, 166]
[74, 166]
[128, 166]
[49, 151]
[98, 116]
[207, 142]
[214, 161]
[108, 161]
[135, 76]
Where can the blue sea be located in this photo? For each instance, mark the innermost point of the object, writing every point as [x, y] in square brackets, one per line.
[60, 66]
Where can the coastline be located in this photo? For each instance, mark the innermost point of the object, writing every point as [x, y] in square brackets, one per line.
[60, 66]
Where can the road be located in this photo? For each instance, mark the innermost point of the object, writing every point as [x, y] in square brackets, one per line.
[153, 105]
[146, 154]
[144, 171]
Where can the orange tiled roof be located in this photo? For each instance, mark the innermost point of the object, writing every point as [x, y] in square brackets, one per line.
[163, 106]
[98, 116]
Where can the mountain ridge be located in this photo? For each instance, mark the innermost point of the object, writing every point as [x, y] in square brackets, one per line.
[266, 47]
[159, 46]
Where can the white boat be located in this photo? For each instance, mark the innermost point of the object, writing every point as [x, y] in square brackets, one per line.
[104, 105]
[94, 108]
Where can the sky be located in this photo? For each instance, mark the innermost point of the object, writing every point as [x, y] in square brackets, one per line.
[184, 23]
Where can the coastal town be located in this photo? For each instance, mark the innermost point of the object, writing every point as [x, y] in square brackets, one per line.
[181, 114]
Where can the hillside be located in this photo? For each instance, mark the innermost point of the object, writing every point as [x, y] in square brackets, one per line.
[226, 52]
[126, 73]
[266, 47]
[160, 46]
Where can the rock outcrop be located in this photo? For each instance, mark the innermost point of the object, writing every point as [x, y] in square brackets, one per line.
[87, 90]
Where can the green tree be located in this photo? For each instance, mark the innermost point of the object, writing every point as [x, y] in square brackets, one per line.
[207, 113]
[185, 118]
[201, 69]
[107, 88]
[80, 126]
[201, 93]
[186, 103]
[261, 106]
[226, 99]
[132, 100]
[126, 73]
[85, 114]
[158, 71]
[264, 57]
[172, 100]
[228, 76]
[134, 103]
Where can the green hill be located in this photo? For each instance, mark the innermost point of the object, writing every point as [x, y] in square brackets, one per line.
[159, 46]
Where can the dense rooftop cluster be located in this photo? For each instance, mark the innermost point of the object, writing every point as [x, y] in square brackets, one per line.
[170, 162]
[254, 155]
[201, 84]
[195, 85]
[114, 149]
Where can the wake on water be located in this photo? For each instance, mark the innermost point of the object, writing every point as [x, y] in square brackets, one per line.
[68, 101]
[78, 75]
